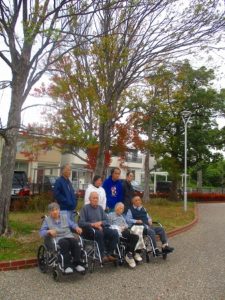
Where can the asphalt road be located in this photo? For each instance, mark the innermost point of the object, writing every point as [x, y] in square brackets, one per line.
[196, 270]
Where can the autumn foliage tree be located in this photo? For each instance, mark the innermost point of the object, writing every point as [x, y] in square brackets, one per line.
[90, 87]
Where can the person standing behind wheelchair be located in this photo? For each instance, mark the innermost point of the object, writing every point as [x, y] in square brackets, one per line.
[113, 189]
[128, 191]
[59, 226]
[64, 193]
[137, 215]
[96, 186]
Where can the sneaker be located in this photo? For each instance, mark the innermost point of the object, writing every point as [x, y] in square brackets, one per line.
[167, 249]
[68, 270]
[129, 259]
[157, 252]
[137, 257]
[79, 268]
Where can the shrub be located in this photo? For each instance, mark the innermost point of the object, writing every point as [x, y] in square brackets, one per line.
[39, 202]
[198, 196]
[19, 204]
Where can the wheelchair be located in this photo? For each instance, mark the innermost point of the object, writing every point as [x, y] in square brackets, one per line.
[149, 247]
[94, 255]
[49, 258]
[121, 250]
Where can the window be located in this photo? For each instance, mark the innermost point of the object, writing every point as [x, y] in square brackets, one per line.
[21, 166]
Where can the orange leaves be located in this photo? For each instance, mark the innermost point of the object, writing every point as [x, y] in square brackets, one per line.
[30, 155]
[92, 154]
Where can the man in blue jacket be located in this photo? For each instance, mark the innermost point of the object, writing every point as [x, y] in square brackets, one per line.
[64, 192]
[113, 189]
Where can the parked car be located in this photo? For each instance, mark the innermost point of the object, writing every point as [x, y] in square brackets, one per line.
[20, 185]
[138, 189]
[80, 193]
[49, 182]
[163, 186]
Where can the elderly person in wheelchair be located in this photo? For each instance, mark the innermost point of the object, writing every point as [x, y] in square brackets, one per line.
[118, 222]
[95, 225]
[137, 215]
[59, 226]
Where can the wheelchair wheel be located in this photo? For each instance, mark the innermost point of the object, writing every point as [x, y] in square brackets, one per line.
[121, 262]
[115, 263]
[83, 273]
[147, 256]
[56, 274]
[92, 266]
[42, 259]
[164, 256]
[84, 258]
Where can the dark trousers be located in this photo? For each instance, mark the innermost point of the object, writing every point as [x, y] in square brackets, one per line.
[106, 238]
[131, 240]
[70, 248]
[152, 231]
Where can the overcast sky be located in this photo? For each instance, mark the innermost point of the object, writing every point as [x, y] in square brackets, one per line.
[214, 59]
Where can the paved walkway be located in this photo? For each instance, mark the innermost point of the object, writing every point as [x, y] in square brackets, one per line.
[196, 270]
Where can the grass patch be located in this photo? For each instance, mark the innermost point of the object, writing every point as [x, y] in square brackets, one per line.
[24, 241]
[170, 214]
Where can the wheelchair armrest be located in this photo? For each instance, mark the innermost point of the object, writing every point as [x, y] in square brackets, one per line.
[43, 218]
[56, 246]
[51, 243]
[157, 223]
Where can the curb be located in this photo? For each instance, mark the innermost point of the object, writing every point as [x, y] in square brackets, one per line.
[32, 262]
[185, 227]
[18, 264]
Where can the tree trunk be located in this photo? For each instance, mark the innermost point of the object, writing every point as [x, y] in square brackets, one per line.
[7, 169]
[7, 165]
[173, 194]
[147, 160]
[99, 170]
[9, 147]
[104, 144]
[147, 177]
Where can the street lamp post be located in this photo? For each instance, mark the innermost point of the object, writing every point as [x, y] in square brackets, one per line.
[185, 117]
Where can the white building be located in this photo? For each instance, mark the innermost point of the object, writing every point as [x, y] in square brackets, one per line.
[48, 162]
[81, 176]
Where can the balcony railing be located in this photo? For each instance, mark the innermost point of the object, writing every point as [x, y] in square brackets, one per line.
[134, 159]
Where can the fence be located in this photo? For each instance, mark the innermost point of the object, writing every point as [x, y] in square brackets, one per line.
[44, 179]
[216, 190]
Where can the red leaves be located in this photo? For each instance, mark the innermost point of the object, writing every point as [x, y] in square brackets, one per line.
[30, 155]
[92, 153]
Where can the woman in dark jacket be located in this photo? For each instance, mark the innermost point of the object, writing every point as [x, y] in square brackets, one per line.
[128, 191]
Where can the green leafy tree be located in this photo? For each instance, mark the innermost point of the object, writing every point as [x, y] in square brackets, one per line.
[172, 90]
[92, 88]
[214, 174]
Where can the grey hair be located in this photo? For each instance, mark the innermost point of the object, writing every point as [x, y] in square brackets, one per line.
[53, 206]
[118, 204]
[94, 192]
[63, 167]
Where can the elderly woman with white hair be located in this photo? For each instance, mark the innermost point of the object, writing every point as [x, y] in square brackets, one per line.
[119, 223]
[58, 225]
